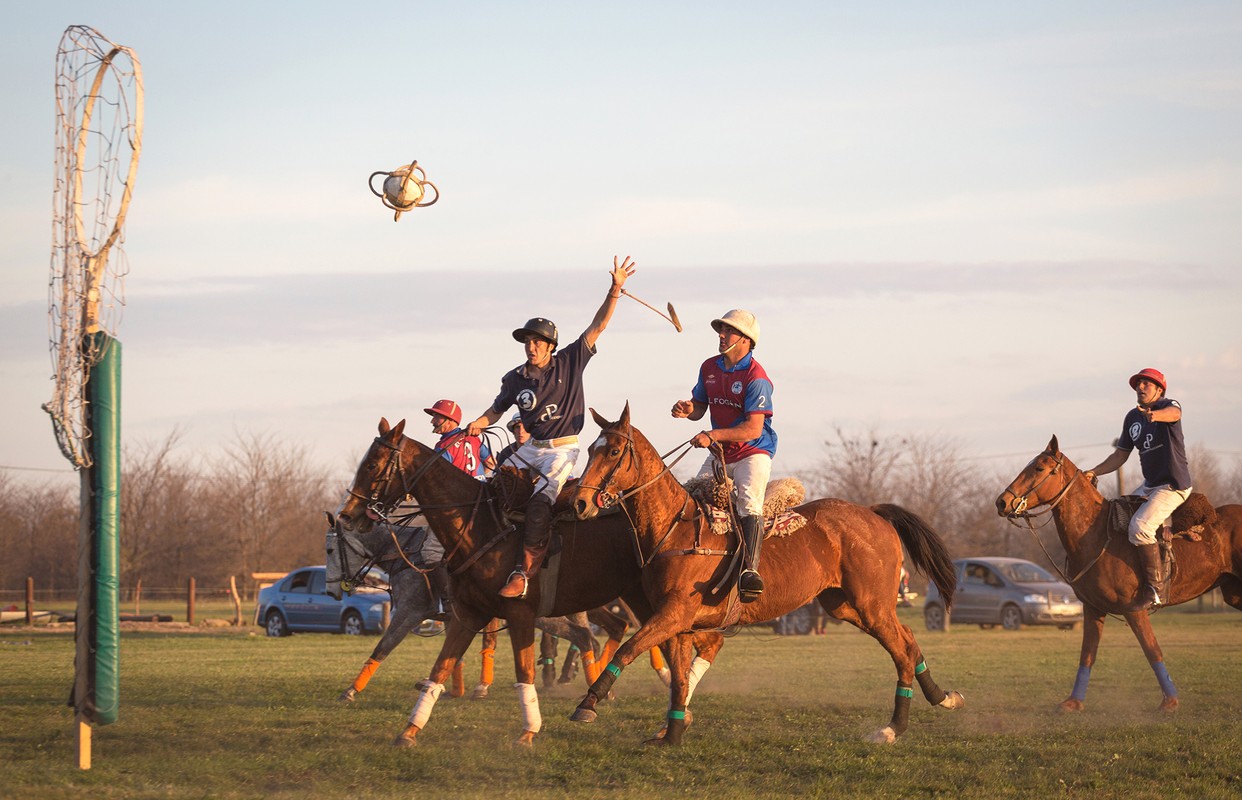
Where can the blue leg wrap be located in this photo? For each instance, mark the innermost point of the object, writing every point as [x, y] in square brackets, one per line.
[1166, 683]
[1080, 684]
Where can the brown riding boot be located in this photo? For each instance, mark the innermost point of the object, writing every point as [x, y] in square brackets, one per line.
[1150, 595]
[535, 544]
[749, 584]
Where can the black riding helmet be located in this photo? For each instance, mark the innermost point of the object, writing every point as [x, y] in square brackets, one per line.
[538, 326]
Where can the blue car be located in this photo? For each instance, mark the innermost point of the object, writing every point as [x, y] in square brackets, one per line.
[299, 602]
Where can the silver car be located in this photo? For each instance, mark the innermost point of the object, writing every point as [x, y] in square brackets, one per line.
[1009, 592]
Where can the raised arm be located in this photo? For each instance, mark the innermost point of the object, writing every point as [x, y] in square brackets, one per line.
[620, 272]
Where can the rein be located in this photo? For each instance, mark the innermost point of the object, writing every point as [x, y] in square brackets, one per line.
[1028, 516]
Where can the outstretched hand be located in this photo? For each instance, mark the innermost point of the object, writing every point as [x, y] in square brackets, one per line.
[683, 409]
[622, 271]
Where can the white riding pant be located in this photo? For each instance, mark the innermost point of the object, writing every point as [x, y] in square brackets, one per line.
[750, 481]
[552, 466]
[1161, 502]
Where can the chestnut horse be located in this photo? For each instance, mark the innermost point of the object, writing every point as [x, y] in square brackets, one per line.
[1104, 568]
[597, 563]
[847, 556]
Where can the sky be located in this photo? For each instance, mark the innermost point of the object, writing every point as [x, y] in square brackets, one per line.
[969, 221]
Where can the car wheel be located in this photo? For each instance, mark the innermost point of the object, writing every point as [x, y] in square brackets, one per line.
[933, 617]
[1011, 618]
[352, 624]
[275, 624]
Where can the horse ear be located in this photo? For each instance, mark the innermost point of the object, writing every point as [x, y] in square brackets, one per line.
[600, 421]
[625, 415]
[384, 427]
[331, 519]
[397, 431]
[1053, 447]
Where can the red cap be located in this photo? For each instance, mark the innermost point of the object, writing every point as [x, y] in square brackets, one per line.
[1153, 375]
[446, 408]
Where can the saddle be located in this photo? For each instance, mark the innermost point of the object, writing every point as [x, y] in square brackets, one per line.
[1188, 521]
[779, 497]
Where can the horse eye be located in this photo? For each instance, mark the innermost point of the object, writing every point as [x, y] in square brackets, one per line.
[616, 451]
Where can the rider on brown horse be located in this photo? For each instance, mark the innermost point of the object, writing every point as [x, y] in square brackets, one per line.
[739, 394]
[1154, 426]
[547, 390]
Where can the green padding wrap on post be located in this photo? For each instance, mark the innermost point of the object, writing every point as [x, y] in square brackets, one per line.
[104, 388]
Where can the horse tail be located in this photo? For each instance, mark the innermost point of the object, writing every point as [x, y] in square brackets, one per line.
[925, 547]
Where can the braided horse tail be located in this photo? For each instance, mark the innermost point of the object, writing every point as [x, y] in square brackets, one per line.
[925, 547]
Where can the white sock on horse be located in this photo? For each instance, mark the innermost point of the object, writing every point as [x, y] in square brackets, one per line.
[426, 701]
[529, 701]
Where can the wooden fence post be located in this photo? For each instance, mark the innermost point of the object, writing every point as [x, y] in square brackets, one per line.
[236, 601]
[138, 598]
[29, 600]
[189, 602]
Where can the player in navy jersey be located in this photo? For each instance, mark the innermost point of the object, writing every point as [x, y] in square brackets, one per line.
[1154, 427]
[739, 395]
[547, 390]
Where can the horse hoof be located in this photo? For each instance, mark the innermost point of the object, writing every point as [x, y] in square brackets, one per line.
[885, 735]
[659, 740]
[583, 715]
[953, 701]
[347, 696]
[480, 692]
[1169, 705]
[527, 739]
[1069, 706]
[407, 738]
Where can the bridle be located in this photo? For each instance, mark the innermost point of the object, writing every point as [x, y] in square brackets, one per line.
[1022, 503]
[605, 497]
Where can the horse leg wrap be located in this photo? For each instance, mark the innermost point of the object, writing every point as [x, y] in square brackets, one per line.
[590, 666]
[426, 701]
[610, 649]
[487, 673]
[657, 659]
[364, 677]
[532, 720]
[676, 726]
[1080, 684]
[901, 709]
[1166, 683]
[603, 684]
[697, 668]
[934, 694]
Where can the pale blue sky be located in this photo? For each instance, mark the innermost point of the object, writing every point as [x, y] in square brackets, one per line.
[972, 220]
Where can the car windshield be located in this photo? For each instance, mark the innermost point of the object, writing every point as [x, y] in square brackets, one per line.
[1028, 573]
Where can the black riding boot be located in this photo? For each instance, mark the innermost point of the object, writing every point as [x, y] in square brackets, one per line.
[442, 604]
[535, 545]
[1151, 594]
[750, 585]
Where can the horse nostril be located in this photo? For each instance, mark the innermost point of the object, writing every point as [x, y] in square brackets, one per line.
[580, 508]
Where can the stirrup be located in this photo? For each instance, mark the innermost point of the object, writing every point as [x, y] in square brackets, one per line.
[749, 594]
[517, 573]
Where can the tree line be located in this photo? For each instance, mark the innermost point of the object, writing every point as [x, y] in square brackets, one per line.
[259, 507]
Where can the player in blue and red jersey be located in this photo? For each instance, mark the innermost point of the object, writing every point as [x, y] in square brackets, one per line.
[1154, 427]
[547, 390]
[739, 395]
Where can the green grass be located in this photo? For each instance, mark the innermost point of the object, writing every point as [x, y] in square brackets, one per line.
[234, 714]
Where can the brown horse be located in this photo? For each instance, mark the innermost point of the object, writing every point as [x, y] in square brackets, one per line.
[597, 562]
[847, 556]
[1104, 568]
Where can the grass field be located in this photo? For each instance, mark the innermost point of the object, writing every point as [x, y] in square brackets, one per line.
[228, 713]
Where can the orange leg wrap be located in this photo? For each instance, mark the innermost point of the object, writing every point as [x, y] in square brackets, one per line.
[610, 649]
[459, 682]
[657, 659]
[488, 673]
[364, 677]
[589, 666]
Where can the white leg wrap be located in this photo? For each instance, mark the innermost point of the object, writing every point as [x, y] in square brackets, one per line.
[697, 668]
[529, 700]
[426, 701]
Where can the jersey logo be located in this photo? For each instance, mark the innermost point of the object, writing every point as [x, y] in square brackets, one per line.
[1135, 430]
[736, 387]
[548, 413]
[526, 399]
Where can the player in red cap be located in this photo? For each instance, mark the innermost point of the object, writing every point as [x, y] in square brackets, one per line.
[1154, 427]
[468, 453]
